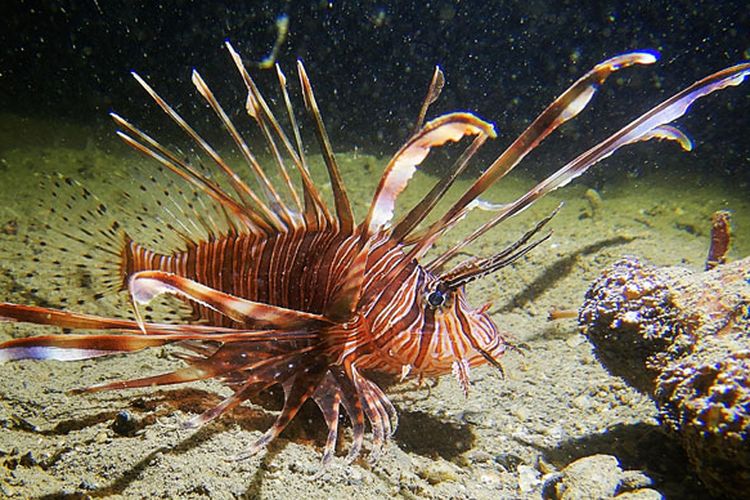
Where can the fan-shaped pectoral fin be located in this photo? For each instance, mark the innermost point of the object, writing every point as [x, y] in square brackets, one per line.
[379, 410]
[76, 347]
[144, 286]
[353, 408]
[296, 391]
[328, 397]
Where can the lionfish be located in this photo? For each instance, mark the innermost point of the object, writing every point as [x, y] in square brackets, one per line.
[292, 292]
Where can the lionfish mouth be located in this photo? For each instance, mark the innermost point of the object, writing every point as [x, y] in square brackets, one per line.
[289, 291]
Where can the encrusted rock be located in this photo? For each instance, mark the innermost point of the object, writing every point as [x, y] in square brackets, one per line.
[683, 338]
[705, 399]
[630, 317]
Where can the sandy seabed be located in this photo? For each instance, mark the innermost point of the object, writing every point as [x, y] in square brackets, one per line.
[556, 403]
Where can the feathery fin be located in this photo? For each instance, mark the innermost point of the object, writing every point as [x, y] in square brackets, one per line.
[433, 92]
[564, 108]
[315, 208]
[144, 286]
[416, 215]
[653, 124]
[341, 200]
[237, 183]
[152, 149]
[270, 215]
[451, 127]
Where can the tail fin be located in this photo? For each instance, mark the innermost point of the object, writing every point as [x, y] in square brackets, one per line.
[69, 254]
[77, 255]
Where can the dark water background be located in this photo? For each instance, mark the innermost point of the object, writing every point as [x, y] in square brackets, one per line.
[371, 61]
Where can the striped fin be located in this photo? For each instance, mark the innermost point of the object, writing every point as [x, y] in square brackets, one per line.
[562, 109]
[451, 127]
[265, 369]
[227, 358]
[298, 388]
[460, 370]
[144, 286]
[242, 189]
[417, 214]
[251, 389]
[72, 256]
[654, 124]
[433, 92]
[341, 200]
[257, 106]
[315, 208]
[71, 347]
[63, 319]
[75, 347]
[379, 410]
[261, 113]
[66, 319]
[420, 211]
[143, 143]
[270, 215]
[169, 213]
[328, 396]
[353, 407]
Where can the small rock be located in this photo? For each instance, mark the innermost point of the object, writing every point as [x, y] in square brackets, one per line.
[528, 479]
[438, 472]
[597, 476]
[478, 456]
[635, 480]
[28, 460]
[644, 494]
[88, 485]
[582, 402]
[520, 412]
[10, 228]
[508, 461]
[489, 479]
[354, 477]
[594, 199]
[125, 424]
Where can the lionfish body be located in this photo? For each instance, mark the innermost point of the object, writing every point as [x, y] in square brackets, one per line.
[294, 293]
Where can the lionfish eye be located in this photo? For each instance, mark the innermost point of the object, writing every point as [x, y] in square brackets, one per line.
[437, 297]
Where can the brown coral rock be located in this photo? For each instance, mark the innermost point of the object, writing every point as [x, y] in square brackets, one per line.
[630, 317]
[684, 338]
[705, 400]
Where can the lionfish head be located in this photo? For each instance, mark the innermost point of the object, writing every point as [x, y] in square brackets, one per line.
[456, 336]
[453, 335]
